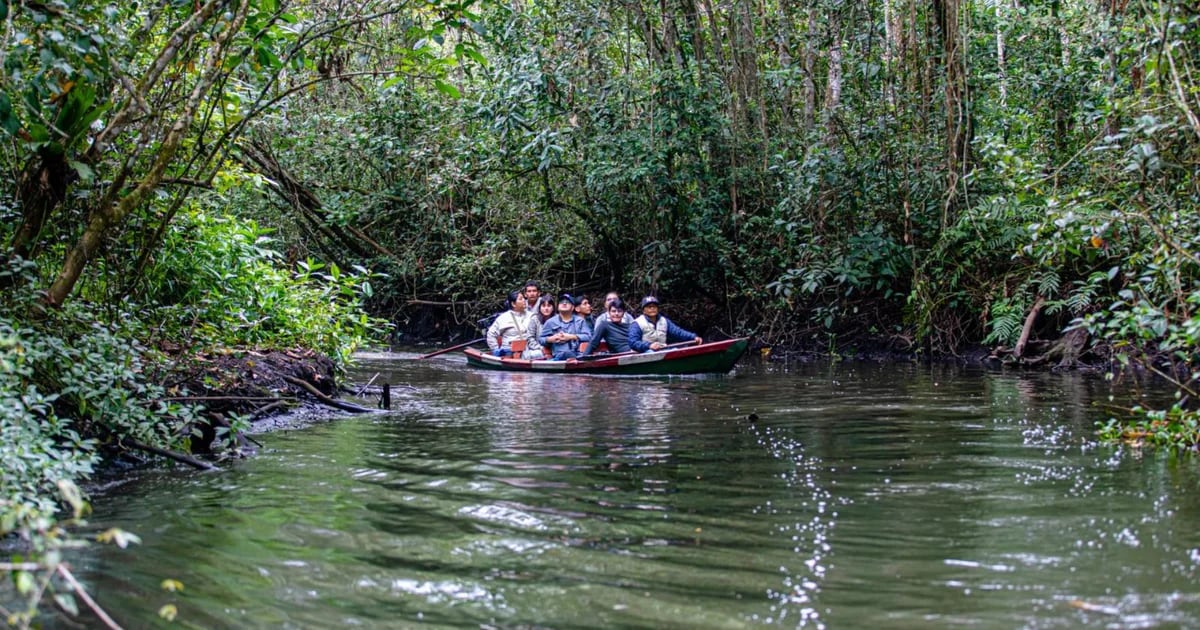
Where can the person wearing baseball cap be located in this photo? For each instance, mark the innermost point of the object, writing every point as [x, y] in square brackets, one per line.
[651, 331]
[564, 333]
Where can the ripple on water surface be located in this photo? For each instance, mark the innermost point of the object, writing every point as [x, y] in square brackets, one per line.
[840, 496]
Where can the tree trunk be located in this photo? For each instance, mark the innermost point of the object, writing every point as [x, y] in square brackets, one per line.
[41, 187]
[808, 118]
[110, 211]
[955, 102]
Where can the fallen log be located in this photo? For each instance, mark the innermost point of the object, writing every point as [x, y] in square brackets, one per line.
[179, 457]
[316, 393]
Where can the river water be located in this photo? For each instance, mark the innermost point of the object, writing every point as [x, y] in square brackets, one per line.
[839, 495]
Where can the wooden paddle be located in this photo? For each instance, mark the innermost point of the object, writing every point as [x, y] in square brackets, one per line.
[452, 348]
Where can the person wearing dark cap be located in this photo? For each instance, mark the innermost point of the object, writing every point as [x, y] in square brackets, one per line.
[651, 331]
[564, 333]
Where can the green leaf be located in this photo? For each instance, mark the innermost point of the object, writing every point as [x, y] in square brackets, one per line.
[66, 601]
[8, 121]
[447, 89]
[85, 172]
[24, 581]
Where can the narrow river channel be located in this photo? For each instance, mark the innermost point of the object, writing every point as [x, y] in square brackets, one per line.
[840, 495]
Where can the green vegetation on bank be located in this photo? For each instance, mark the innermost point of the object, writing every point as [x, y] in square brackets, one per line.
[91, 378]
[189, 176]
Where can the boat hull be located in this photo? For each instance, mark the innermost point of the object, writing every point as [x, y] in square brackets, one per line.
[711, 358]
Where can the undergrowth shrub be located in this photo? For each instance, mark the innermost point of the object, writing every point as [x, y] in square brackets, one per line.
[69, 383]
[218, 283]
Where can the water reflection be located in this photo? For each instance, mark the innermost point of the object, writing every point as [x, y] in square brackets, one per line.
[882, 496]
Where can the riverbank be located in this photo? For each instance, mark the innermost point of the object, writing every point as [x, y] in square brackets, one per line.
[244, 390]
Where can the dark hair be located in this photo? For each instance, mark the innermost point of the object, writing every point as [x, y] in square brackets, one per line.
[537, 310]
[512, 297]
[616, 303]
[531, 283]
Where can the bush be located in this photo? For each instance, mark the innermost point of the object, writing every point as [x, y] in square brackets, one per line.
[217, 283]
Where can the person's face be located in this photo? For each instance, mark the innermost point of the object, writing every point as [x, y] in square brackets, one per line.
[616, 314]
[650, 310]
[584, 308]
[547, 309]
[609, 298]
[531, 294]
[565, 308]
[519, 304]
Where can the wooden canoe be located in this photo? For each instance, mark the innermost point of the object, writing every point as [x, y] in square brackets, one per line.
[715, 357]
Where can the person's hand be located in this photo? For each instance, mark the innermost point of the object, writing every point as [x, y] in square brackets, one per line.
[656, 346]
[699, 340]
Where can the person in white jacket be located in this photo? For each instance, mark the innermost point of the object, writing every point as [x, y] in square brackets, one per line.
[509, 334]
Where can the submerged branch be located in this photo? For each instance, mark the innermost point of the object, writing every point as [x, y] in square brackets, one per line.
[337, 404]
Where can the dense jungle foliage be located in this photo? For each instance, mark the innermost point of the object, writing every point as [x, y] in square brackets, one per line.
[926, 175]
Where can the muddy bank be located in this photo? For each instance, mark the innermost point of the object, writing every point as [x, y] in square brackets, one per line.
[262, 387]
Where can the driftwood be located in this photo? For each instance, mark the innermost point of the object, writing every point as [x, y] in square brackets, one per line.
[1019, 351]
[316, 393]
[179, 457]
[1066, 350]
[82, 593]
[268, 408]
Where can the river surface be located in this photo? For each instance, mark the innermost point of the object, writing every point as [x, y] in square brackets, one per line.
[839, 495]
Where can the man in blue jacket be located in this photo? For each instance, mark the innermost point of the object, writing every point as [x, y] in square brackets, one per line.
[564, 333]
[650, 331]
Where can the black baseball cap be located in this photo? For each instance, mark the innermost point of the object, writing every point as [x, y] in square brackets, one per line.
[649, 299]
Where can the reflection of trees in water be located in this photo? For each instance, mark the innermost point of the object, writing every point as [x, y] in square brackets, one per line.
[607, 422]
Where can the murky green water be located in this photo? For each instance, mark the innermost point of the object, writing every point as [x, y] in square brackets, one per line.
[863, 496]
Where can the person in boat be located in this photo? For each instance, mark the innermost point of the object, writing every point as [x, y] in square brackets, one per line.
[651, 331]
[612, 329]
[542, 312]
[565, 332]
[509, 333]
[584, 309]
[608, 300]
[532, 292]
